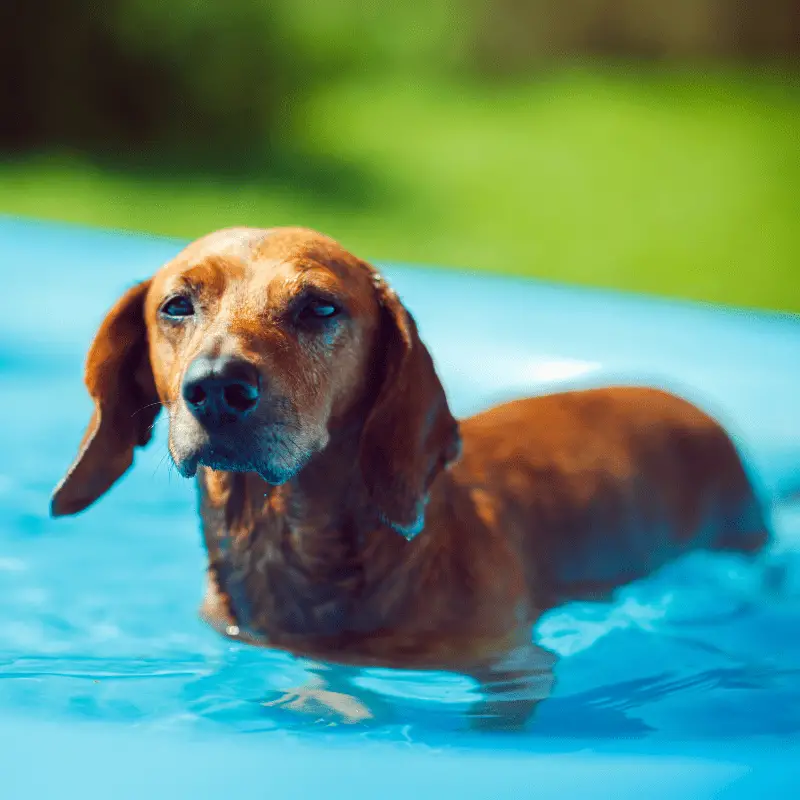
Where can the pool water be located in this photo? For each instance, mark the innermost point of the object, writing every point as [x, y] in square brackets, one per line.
[98, 613]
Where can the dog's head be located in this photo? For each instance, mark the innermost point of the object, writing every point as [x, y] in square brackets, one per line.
[262, 345]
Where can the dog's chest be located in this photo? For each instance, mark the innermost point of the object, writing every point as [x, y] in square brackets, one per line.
[280, 582]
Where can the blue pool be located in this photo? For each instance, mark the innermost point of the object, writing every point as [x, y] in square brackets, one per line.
[688, 685]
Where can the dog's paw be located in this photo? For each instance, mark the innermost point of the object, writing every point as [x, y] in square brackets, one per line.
[323, 703]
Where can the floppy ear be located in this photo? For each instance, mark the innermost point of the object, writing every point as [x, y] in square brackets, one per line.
[410, 434]
[120, 381]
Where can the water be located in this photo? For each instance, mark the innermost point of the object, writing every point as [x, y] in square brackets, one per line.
[98, 618]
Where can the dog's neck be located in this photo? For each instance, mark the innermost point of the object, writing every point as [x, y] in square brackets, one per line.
[290, 558]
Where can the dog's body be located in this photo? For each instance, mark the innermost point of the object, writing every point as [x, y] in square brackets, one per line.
[540, 509]
[347, 515]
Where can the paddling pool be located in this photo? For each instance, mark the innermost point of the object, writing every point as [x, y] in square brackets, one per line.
[687, 685]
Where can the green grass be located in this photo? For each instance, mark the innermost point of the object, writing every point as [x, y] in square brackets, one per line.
[671, 183]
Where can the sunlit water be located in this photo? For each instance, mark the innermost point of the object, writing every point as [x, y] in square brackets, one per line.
[98, 613]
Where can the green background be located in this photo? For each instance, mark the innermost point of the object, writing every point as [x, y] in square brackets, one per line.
[407, 133]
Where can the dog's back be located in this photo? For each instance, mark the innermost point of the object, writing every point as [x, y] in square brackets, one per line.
[601, 487]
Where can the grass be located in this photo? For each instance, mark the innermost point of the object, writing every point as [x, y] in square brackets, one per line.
[676, 183]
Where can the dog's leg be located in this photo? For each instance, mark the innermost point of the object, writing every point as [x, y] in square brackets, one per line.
[512, 688]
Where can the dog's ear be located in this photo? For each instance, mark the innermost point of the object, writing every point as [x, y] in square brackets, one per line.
[410, 434]
[120, 382]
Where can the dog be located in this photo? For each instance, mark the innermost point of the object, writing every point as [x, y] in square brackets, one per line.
[347, 515]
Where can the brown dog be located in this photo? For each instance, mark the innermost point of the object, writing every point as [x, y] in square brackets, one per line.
[342, 519]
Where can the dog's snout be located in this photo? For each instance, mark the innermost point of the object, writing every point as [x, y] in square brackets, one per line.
[222, 389]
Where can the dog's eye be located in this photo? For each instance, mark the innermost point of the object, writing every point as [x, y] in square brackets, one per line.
[323, 310]
[178, 306]
[318, 310]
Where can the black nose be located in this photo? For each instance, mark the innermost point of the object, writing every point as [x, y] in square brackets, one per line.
[220, 390]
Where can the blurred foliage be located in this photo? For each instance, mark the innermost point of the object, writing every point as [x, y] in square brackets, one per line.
[515, 34]
[192, 78]
[142, 73]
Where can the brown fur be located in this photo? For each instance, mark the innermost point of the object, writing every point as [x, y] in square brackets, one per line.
[529, 504]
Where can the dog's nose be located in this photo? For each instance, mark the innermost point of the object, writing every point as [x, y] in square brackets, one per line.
[219, 390]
